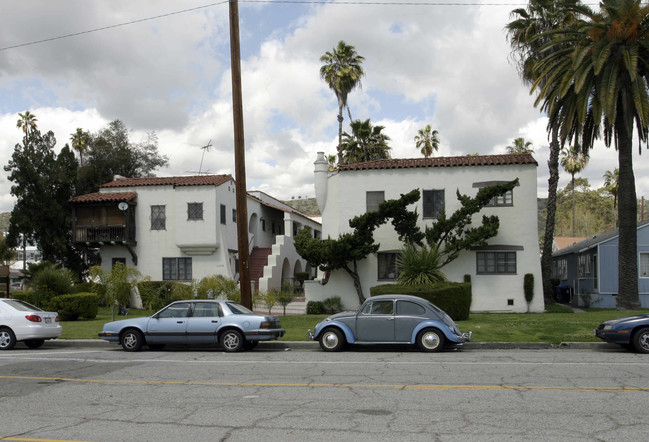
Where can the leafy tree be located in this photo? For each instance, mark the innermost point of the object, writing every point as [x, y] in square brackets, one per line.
[427, 141]
[419, 265]
[365, 143]
[350, 248]
[611, 184]
[110, 153]
[27, 122]
[7, 254]
[115, 286]
[594, 212]
[79, 141]
[342, 71]
[49, 281]
[218, 287]
[43, 183]
[519, 145]
[528, 35]
[573, 161]
[596, 83]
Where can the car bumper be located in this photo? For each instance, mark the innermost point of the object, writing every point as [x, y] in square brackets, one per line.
[109, 336]
[613, 336]
[265, 335]
[37, 332]
[466, 337]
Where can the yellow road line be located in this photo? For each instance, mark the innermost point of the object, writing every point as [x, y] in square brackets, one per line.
[334, 385]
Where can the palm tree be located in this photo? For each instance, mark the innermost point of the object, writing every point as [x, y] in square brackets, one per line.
[527, 36]
[365, 143]
[611, 184]
[594, 85]
[342, 71]
[519, 145]
[26, 122]
[427, 140]
[573, 161]
[80, 141]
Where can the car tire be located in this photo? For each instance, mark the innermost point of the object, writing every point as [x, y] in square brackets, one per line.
[331, 339]
[430, 340]
[640, 340]
[232, 340]
[131, 340]
[7, 339]
[156, 346]
[34, 343]
[249, 345]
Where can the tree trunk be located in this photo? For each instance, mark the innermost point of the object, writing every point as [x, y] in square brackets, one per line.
[357, 282]
[628, 235]
[551, 210]
[340, 133]
[573, 205]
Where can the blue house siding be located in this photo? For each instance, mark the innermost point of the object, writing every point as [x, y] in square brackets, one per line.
[608, 270]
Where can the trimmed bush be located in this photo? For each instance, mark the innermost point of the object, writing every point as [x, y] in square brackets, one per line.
[333, 305]
[72, 307]
[315, 308]
[27, 296]
[85, 287]
[452, 297]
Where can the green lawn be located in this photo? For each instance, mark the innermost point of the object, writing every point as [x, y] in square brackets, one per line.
[555, 327]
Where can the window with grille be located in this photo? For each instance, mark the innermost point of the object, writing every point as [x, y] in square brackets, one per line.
[433, 203]
[176, 269]
[194, 211]
[496, 263]
[158, 218]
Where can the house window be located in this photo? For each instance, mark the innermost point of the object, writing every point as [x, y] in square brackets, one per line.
[496, 263]
[176, 269]
[562, 269]
[223, 220]
[373, 199]
[644, 265]
[234, 215]
[387, 265]
[584, 265]
[263, 224]
[158, 218]
[194, 211]
[433, 202]
[502, 200]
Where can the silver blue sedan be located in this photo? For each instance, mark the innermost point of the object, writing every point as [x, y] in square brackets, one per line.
[193, 322]
[390, 319]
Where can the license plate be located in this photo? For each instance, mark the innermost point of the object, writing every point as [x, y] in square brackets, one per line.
[48, 320]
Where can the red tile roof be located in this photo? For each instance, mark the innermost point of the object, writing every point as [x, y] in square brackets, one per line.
[469, 160]
[104, 197]
[197, 180]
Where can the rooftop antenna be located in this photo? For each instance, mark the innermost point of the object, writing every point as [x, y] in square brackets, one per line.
[205, 148]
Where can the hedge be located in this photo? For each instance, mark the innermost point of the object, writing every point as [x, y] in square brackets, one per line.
[72, 307]
[452, 297]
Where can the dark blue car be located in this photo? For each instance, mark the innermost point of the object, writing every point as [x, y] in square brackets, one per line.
[629, 332]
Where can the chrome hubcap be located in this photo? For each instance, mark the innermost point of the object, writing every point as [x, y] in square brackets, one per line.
[230, 340]
[430, 340]
[130, 340]
[5, 339]
[644, 341]
[330, 340]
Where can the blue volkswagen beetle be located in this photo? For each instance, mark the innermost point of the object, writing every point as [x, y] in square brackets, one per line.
[197, 321]
[629, 332]
[390, 319]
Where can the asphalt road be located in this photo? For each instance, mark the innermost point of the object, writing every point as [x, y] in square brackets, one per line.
[100, 393]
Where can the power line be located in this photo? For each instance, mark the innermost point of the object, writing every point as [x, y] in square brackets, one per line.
[303, 2]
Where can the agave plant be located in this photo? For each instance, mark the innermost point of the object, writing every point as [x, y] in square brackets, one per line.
[419, 265]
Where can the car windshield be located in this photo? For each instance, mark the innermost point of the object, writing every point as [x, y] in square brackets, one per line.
[22, 305]
[238, 309]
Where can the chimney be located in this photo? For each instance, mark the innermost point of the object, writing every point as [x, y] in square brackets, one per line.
[321, 172]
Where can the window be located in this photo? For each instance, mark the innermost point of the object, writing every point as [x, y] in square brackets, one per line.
[176, 269]
[644, 265]
[373, 199]
[433, 202]
[562, 269]
[496, 263]
[503, 200]
[194, 211]
[158, 218]
[234, 215]
[263, 224]
[223, 220]
[584, 265]
[387, 263]
[206, 310]
[382, 308]
[179, 310]
[407, 308]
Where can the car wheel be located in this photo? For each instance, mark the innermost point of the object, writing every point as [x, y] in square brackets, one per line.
[232, 340]
[641, 340]
[156, 346]
[430, 340]
[132, 340]
[249, 345]
[34, 343]
[7, 339]
[331, 339]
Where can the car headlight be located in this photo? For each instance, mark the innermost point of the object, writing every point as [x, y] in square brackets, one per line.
[608, 327]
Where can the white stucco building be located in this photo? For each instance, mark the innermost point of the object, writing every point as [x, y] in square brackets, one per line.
[184, 228]
[496, 271]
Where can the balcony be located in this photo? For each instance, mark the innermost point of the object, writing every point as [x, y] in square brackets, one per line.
[103, 234]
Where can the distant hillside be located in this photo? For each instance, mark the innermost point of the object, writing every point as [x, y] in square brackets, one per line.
[4, 221]
[308, 206]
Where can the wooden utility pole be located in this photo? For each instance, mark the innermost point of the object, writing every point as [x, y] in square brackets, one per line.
[239, 158]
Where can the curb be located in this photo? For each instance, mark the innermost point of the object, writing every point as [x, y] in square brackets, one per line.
[312, 345]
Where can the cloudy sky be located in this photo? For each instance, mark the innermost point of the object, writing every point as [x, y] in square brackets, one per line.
[164, 66]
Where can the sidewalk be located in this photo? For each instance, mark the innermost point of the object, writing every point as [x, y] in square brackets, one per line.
[313, 345]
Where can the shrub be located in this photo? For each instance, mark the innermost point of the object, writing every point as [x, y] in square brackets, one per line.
[419, 265]
[219, 287]
[157, 294]
[528, 287]
[285, 296]
[71, 307]
[85, 287]
[452, 297]
[315, 308]
[269, 299]
[467, 278]
[48, 282]
[27, 296]
[333, 305]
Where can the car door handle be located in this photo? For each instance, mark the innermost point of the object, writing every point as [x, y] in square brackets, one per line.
[215, 322]
[180, 322]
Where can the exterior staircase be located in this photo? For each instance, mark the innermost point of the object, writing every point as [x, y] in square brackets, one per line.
[258, 260]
